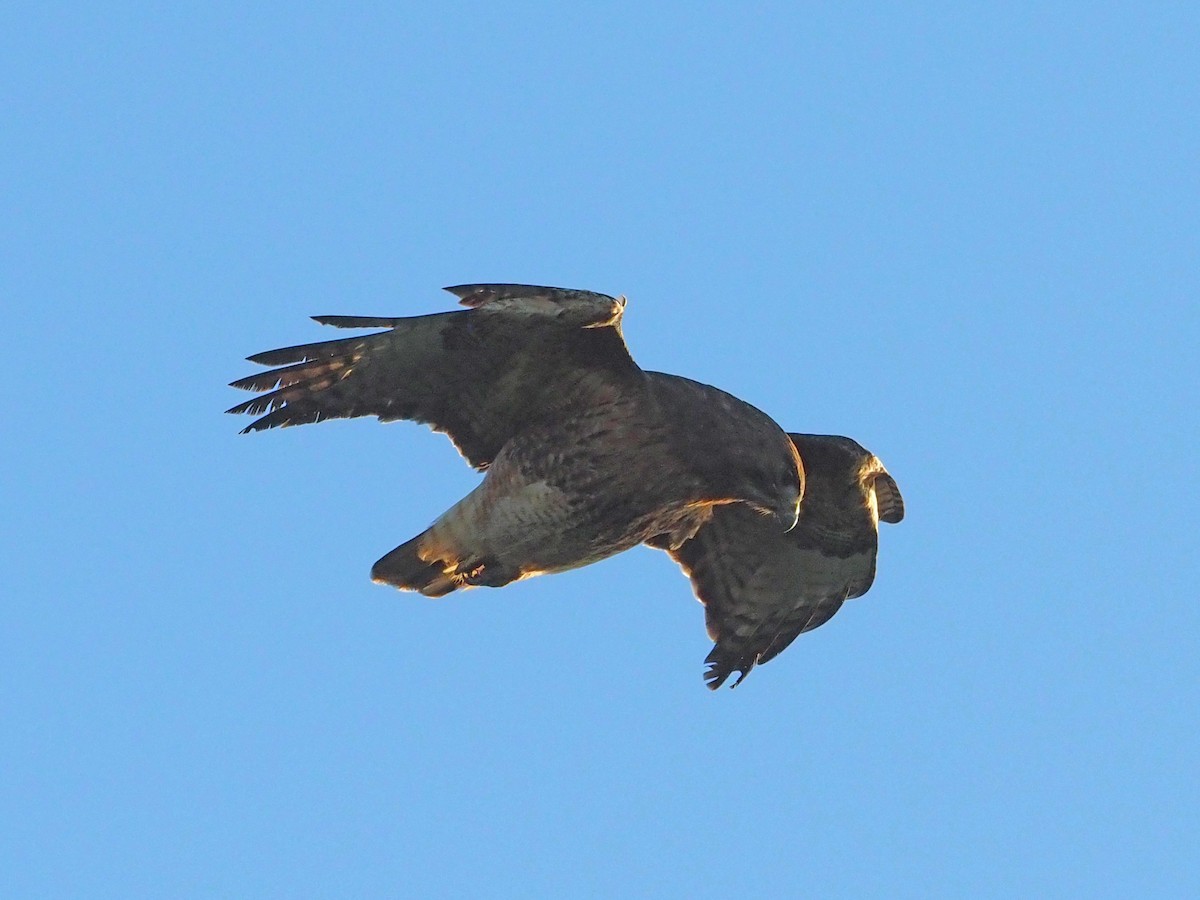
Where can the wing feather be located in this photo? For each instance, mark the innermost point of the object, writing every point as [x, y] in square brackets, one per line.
[520, 355]
[761, 589]
[887, 495]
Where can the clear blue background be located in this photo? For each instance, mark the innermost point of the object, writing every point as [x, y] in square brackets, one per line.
[965, 234]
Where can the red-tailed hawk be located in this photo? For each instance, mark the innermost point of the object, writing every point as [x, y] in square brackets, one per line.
[762, 588]
[587, 455]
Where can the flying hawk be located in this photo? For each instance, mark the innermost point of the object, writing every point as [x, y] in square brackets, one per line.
[585, 454]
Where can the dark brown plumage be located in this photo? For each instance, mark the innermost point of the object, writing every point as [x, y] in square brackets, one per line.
[586, 454]
[762, 588]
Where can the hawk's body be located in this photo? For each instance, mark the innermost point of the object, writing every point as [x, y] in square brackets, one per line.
[569, 493]
[586, 455]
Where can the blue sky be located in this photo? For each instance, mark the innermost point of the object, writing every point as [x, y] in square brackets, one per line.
[965, 234]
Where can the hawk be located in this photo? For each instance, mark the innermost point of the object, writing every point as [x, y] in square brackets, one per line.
[585, 455]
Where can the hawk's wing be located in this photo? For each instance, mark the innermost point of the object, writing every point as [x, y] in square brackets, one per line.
[761, 588]
[520, 355]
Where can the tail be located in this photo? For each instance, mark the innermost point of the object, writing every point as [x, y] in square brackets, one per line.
[403, 568]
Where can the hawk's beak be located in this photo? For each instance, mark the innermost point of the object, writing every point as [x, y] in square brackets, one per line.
[788, 514]
[785, 511]
[791, 518]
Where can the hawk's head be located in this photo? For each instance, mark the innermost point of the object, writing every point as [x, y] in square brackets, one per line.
[774, 485]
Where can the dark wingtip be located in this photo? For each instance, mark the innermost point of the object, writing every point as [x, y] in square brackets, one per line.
[263, 381]
[256, 425]
[717, 674]
[283, 356]
[723, 664]
[714, 679]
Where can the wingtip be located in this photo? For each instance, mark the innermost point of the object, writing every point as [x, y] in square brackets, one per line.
[721, 667]
[715, 676]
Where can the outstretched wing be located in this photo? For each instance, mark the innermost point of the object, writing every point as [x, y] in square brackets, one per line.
[761, 588]
[521, 355]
